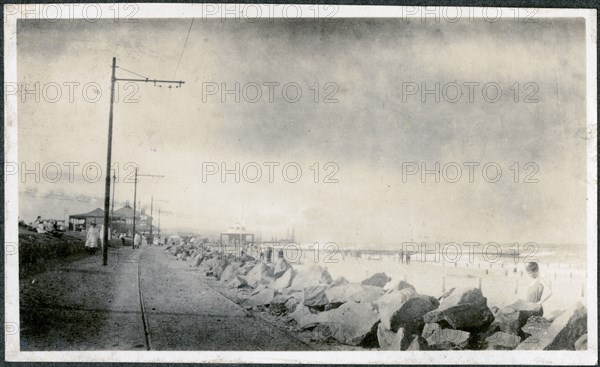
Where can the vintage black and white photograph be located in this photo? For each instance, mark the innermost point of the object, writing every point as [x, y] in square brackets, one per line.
[193, 182]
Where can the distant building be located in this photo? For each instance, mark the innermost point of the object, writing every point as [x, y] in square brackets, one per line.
[236, 235]
[81, 222]
[126, 213]
[142, 220]
[145, 222]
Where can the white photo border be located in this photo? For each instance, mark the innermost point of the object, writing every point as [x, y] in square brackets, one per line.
[12, 341]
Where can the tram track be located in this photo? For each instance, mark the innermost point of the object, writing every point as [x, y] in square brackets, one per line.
[227, 302]
[142, 306]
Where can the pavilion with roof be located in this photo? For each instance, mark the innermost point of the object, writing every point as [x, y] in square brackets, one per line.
[84, 220]
[236, 235]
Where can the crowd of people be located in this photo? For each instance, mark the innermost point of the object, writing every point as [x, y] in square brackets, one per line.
[94, 239]
[51, 227]
[143, 240]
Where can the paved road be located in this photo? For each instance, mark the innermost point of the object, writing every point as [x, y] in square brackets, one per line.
[82, 305]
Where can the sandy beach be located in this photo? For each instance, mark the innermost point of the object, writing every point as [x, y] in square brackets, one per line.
[499, 281]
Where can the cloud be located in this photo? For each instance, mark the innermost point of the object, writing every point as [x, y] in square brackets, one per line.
[368, 133]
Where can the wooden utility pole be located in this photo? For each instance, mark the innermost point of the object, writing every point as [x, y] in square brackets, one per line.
[107, 218]
[151, 218]
[159, 210]
[134, 199]
[108, 161]
[112, 210]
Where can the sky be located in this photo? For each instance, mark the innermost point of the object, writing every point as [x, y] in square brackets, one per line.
[369, 133]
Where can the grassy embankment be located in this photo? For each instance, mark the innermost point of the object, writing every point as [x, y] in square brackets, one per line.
[37, 250]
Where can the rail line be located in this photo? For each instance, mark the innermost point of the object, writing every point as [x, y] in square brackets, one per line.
[142, 307]
[148, 335]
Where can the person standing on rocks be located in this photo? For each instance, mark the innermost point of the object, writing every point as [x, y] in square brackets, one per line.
[539, 289]
[91, 241]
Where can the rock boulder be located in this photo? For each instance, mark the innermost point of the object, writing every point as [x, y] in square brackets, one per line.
[354, 292]
[418, 343]
[389, 340]
[448, 339]
[291, 304]
[462, 309]
[218, 268]
[377, 280]
[315, 296]
[339, 281]
[429, 329]
[535, 325]
[513, 317]
[562, 333]
[502, 341]
[306, 319]
[278, 304]
[260, 274]
[245, 269]
[311, 276]
[285, 280]
[264, 296]
[198, 260]
[354, 324]
[230, 272]
[405, 309]
[581, 343]
[237, 282]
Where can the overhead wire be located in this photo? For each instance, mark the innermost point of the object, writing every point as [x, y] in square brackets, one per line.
[132, 72]
[183, 48]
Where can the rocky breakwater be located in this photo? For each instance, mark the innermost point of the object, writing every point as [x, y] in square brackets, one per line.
[378, 314]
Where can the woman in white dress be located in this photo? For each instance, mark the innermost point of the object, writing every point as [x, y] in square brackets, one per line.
[137, 240]
[91, 241]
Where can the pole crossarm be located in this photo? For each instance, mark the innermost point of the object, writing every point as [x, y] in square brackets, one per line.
[155, 176]
[180, 82]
